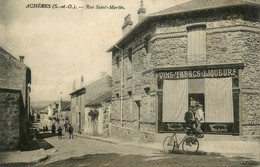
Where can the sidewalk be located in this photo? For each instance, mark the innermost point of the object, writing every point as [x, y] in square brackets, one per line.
[224, 146]
[12, 157]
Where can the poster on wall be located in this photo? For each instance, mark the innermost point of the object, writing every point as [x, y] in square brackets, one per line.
[105, 82]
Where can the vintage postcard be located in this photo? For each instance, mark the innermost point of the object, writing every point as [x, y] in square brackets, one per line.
[129, 83]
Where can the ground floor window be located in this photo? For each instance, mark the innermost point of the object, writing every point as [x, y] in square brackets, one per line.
[213, 94]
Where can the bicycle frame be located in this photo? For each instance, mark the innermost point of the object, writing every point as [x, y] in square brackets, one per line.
[175, 138]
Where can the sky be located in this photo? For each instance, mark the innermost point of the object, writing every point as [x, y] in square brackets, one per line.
[61, 45]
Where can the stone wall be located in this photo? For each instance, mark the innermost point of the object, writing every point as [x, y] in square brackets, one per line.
[12, 120]
[129, 134]
[106, 108]
[13, 74]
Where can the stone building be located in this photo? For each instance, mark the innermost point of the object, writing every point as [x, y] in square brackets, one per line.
[201, 52]
[15, 80]
[45, 118]
[89, 100]
[64, 113]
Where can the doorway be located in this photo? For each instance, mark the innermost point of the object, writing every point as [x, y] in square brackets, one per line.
[195, 98]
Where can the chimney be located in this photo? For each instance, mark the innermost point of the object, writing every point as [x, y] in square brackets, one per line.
[82, 81]
[127, 24]
[74, 85]
[141, 11]
[21, 59]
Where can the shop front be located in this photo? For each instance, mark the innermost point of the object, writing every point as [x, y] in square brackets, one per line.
[215, 88]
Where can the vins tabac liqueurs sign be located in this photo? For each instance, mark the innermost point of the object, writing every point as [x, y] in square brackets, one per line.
[203, 73]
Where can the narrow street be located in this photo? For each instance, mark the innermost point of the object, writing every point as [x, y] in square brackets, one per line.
[87, 152]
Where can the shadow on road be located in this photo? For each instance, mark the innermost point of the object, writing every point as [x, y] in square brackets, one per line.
[38, 143]
[114, 159]
[46, 135]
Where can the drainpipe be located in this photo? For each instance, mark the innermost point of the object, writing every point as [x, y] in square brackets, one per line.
[121, 81]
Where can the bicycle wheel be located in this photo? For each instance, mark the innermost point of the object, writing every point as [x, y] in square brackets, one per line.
[190, 144]
[168, 144]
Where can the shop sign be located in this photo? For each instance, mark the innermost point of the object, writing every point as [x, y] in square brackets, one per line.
[212, 128]
[175, 126]
[218, 128]
[207, 73]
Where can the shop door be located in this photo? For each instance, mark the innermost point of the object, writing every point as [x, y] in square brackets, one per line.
[195, 99]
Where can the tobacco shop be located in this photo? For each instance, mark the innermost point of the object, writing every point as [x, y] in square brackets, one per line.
[214, 88]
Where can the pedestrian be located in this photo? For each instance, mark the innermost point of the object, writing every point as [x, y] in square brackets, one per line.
[189, 118]
[71, 132]
[53, 128]
[199, 117]
[46, 128]
[59, 132]
[66, 126]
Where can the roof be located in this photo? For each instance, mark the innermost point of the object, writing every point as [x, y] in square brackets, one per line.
[203, 5]
[11, 57]
[98, 100]
[96, 90]
[44, 110]
[64, 105]
[194, 5]
[78, 91]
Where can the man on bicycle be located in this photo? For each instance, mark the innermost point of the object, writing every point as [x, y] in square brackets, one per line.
[189, 118]
[192, 122]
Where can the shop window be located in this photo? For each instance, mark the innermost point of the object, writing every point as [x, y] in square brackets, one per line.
[196, 44]
[175, 100]
[219, 100]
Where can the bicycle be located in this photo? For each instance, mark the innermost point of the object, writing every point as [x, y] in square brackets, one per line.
[189, 143]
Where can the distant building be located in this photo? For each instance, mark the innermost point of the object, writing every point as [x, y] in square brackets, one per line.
[44, 118]
[64, 113]
[90, 107]
[202, 51]
[15, 80]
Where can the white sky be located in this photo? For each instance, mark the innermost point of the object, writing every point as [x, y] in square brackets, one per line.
[63, 44]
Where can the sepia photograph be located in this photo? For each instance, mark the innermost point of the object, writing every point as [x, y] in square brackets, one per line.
[130, 83]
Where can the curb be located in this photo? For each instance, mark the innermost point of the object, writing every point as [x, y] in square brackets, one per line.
[203, 152]
[27, 163]
[98, 139]
[115, 142]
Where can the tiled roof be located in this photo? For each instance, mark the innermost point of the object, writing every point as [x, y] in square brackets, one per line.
[97, 88]
[194, 5]
[203, 4]
[12, 58]
[64, 105]
[102, 98]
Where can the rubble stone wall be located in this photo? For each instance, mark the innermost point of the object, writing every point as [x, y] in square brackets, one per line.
[12, 120]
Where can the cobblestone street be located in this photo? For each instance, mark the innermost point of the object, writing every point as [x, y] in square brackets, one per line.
[87, 152]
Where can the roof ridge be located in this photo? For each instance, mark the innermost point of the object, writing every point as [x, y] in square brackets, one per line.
[13, 58]
[201, 4]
